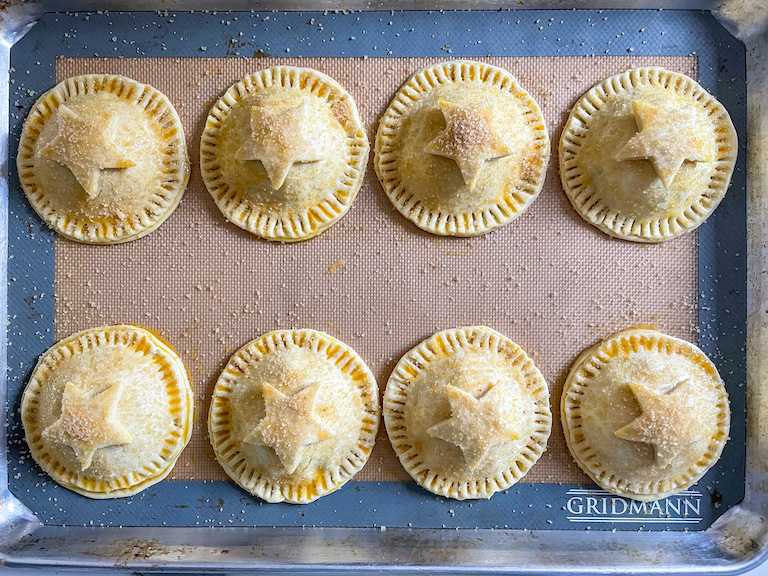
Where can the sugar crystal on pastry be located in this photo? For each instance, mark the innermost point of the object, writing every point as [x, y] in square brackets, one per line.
[665, 137]
[88, 422]
[294, 415]
[290, 424]
[476, 424]
[102, 159]
[467, 412]
[647, 155]
[279, 140]
[645, 415]
[660, 421]
[85, 145]
[469, 138]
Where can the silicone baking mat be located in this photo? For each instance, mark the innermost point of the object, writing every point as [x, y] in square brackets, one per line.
[549, 281]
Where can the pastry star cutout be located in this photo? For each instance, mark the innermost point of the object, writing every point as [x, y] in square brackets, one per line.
[665, 421]
[475, 425]
[290, 425]
[469, 139]
[85, 145]
[279, 140]
[88, 422]
[666, 138]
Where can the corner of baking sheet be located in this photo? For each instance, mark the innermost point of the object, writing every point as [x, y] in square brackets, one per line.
[745, 19]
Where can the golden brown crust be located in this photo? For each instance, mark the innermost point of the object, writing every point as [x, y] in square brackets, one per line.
[107, 411]
[102, 159]
[647, 155]
[645, 415]
[294, 416]
[467, 412]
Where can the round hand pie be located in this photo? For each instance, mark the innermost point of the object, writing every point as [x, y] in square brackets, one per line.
[647, 155]
[294, 416]
[102, 159]
[467, 413]
[645, 415]
[462, 149]
[283, 153]
[108, 411]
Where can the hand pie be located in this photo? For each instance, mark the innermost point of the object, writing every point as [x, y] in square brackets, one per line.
[108, 411]
[645, 415]
[647, 155]
[284, 153]
[462, 149]
[467, 413]
[294, 416]
[102, 159]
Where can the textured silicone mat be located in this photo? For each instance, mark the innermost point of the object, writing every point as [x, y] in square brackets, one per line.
[548, 280]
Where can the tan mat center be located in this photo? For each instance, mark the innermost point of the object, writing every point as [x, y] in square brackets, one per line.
[549, 281]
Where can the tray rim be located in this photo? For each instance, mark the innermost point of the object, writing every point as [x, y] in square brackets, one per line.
[737, 542]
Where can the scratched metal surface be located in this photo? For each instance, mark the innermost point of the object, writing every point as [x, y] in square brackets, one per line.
[728, 546]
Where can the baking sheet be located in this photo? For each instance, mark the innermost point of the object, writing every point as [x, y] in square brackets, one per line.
[548, 280]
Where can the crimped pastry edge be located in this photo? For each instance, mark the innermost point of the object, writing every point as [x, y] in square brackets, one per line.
[610, 221]
[395, 396]
[81, 484]
[84, 230]
[666, 487]
[302, 492]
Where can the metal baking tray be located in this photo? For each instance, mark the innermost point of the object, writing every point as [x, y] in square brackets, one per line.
[734, 543]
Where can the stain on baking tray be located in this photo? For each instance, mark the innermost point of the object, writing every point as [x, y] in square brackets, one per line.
[206, 324]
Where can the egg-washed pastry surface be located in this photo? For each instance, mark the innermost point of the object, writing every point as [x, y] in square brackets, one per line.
[343, 267]
[107, 411]
[102, 159]
[462, 149]
[647, 155]
[467, 412]
[294, 415]
[645, 415]
[284, 153]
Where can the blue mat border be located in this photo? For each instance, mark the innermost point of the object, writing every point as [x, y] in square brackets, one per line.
[722, 245]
